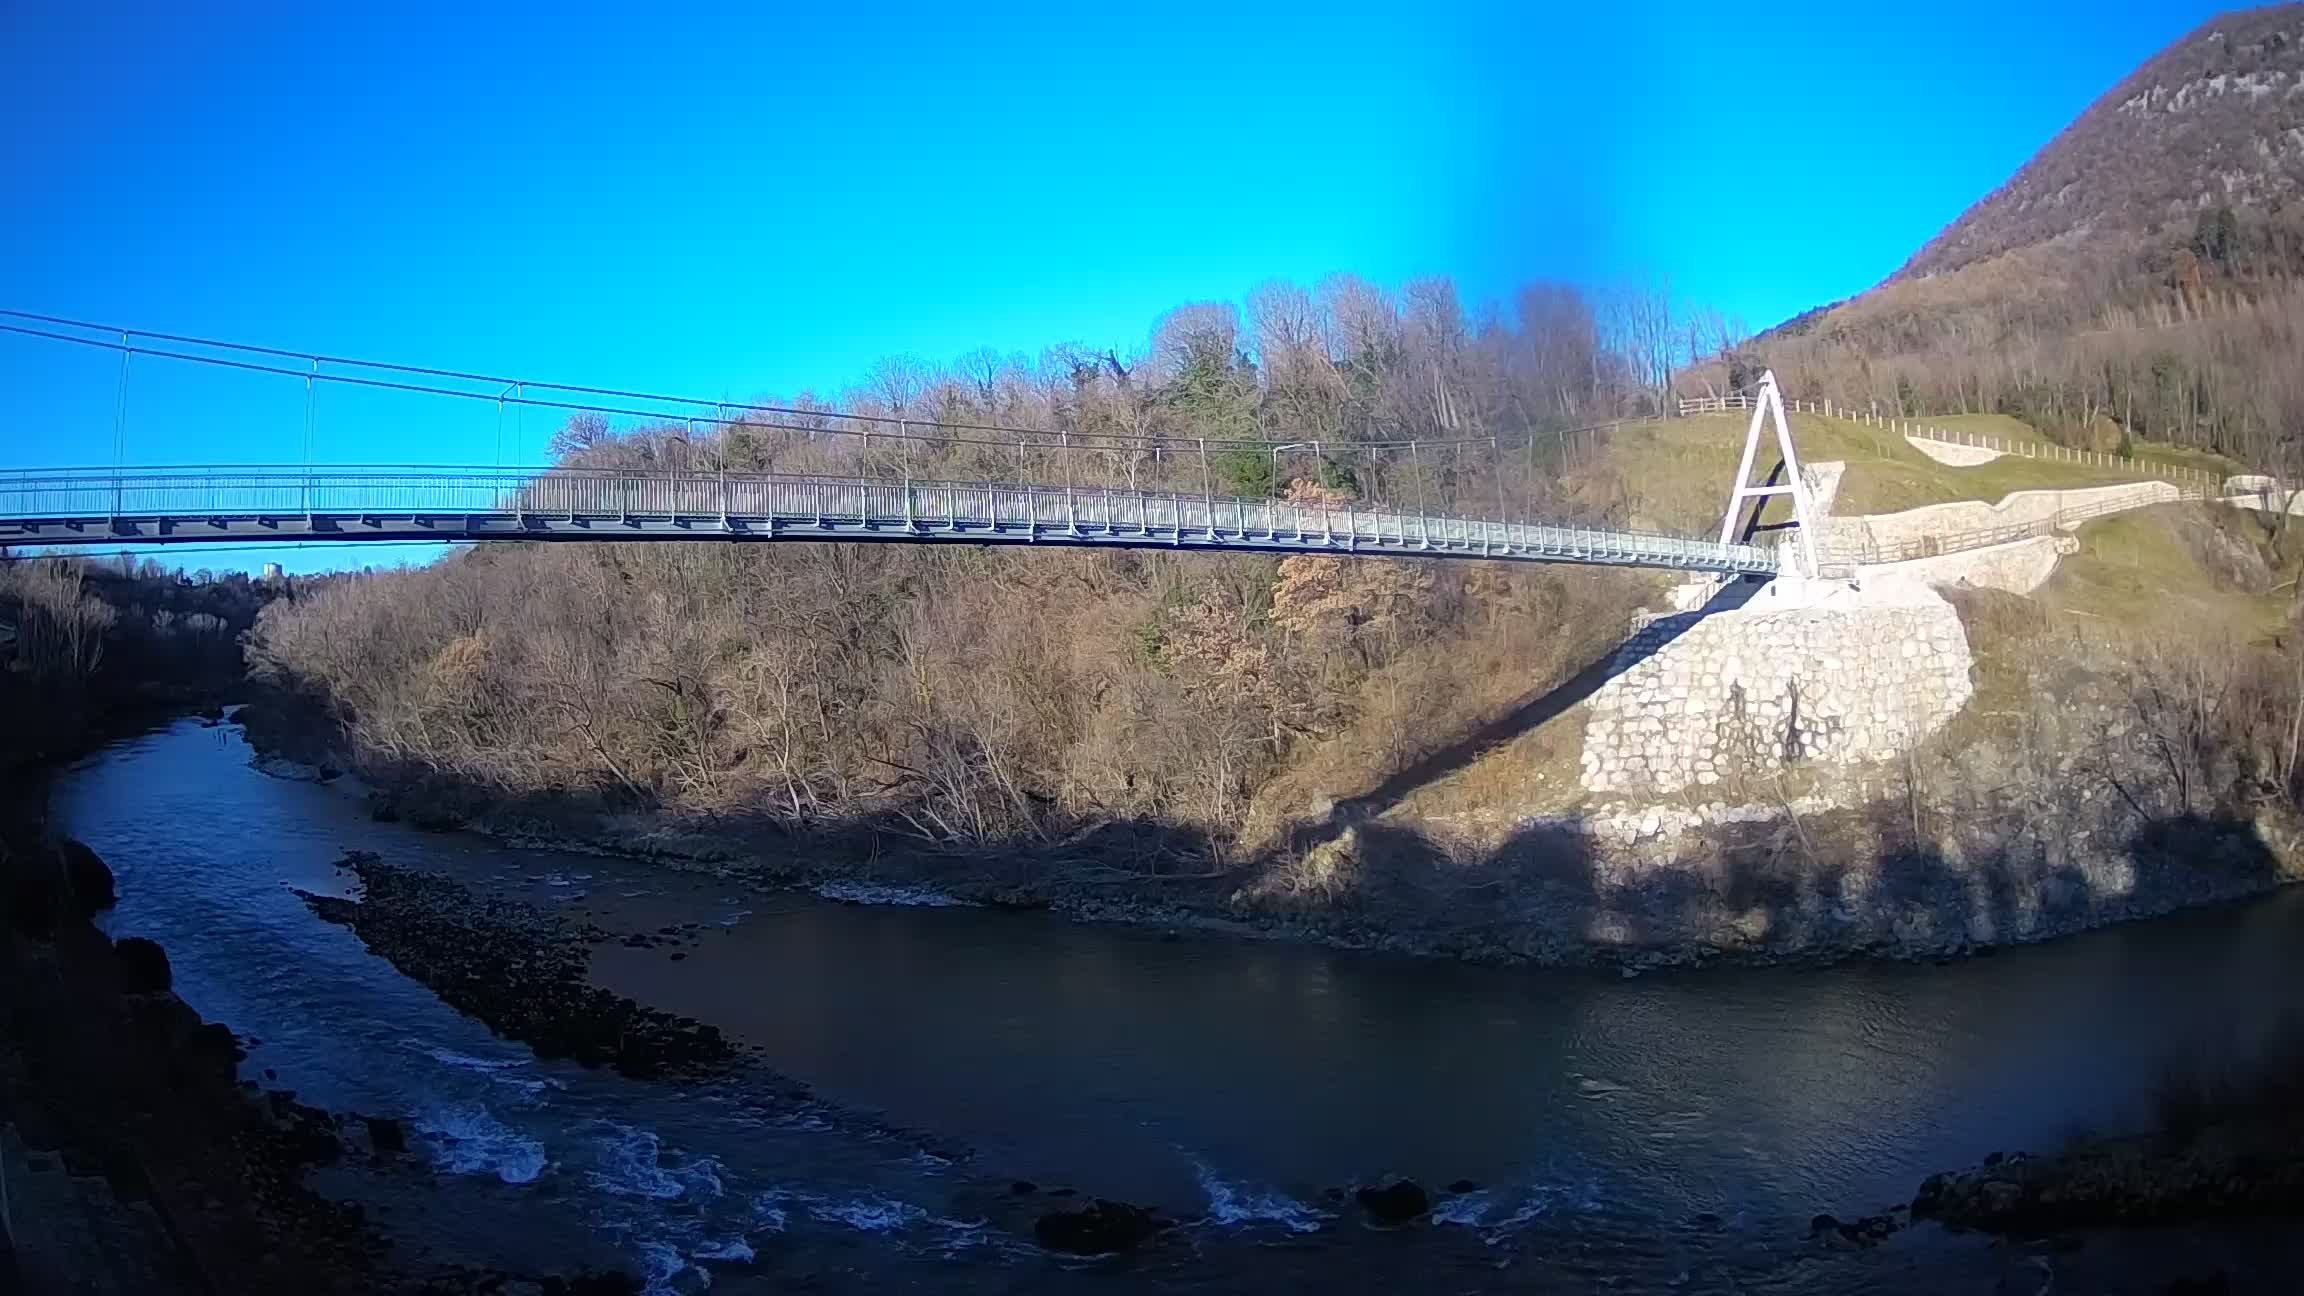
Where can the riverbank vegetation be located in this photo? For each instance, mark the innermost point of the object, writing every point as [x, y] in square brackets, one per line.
[985, 697]
[1382, 750]
[85, 643]
[2181, 334]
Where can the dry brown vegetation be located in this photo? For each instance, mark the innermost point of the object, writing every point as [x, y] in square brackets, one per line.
[78, 638]
[963, 697]
[1150, 715]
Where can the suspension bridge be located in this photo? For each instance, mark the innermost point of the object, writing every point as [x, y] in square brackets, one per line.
[1060, 488]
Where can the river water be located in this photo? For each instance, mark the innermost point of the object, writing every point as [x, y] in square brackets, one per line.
[1237, 1085]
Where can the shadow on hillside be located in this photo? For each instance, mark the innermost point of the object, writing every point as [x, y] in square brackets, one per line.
[1849, 881]
[1846, 882]
[1885, 878]
[1525, 716]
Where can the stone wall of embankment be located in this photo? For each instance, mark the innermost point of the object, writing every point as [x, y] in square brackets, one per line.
[1818, 672]
[1912, 527]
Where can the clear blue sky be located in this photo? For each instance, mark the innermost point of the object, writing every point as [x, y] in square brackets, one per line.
[748, 203]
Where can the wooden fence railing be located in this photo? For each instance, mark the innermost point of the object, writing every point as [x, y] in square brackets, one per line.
[2186, 478]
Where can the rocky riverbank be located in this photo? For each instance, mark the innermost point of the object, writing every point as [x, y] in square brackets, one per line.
[1984, 837]
[520, 971]
[140, 1161]
[2228, 1160]
[717, 981]
[2248, 1171]
[1640, 890]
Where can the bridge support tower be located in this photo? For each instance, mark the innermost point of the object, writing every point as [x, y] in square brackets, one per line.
[1768, 409]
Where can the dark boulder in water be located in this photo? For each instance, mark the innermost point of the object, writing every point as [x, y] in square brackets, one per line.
[210, 1055]
[1868, 1230]
[1395, 1203]
[143, 966]
[86, 874]
[1100, 1227]
[387, 1135]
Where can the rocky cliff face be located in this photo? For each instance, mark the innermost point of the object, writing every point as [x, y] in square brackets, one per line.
[2216, 119]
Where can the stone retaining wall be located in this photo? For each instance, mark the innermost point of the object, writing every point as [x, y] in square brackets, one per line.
[1936, 521]
[1823, 674]
[2019, 567]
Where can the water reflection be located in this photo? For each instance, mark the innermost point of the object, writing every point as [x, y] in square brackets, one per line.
[1147, 1068]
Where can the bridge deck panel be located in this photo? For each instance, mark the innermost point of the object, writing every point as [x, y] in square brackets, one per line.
[164, 505]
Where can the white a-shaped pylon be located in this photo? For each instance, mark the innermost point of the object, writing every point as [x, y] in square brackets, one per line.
[1769, 408]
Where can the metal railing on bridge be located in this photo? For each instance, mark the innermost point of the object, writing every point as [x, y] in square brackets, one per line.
[145, 505]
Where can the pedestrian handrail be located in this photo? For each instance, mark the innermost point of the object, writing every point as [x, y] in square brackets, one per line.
[174, 503]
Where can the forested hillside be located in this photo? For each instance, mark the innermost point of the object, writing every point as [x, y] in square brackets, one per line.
[83, 639]
[1186, 708]
[967, 697]
[2139, 278]
[2214, 120]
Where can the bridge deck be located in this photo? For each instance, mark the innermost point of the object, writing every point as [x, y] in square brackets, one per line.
[142, 506]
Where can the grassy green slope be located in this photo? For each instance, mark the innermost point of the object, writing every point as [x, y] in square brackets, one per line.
[2169, 570]
[1676, 472]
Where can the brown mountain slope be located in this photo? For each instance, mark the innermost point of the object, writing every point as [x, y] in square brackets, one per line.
[2216, 119]
[2143, 276]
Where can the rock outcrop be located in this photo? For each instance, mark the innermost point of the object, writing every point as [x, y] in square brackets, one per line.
[1394, 1203]
[1099, 1228]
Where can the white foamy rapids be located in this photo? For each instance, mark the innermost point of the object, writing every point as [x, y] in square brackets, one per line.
[466, 1062]
[868, 1213]
[631, 1162]
[1237, 1204]
[469, 1140]
[666, 1272]
[1541, 1200]
[875, 893]
[498, 1070]
[961, 1234]
[727, 1250]
[1467, 1210]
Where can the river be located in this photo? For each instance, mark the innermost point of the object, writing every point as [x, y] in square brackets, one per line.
[1675, 1131]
